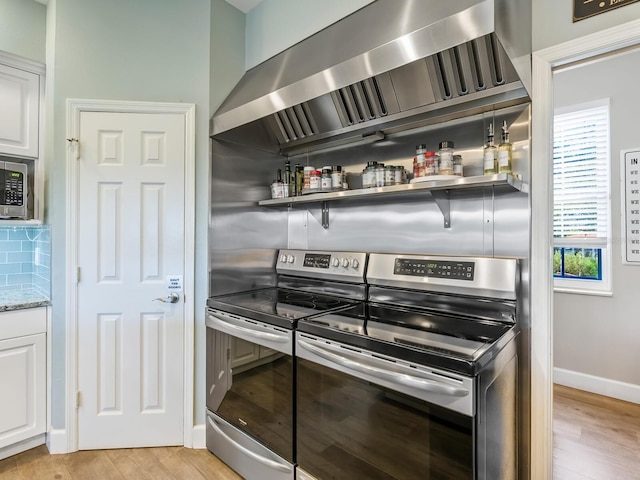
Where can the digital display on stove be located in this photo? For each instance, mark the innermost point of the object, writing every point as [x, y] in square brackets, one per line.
[434, 268]
[317, 260]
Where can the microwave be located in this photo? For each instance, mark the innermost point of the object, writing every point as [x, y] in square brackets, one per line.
[13, 190]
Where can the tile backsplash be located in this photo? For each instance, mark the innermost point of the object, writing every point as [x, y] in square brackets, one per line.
[25, 259]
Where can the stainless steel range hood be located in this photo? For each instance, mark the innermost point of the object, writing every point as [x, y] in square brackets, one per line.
[393, 65]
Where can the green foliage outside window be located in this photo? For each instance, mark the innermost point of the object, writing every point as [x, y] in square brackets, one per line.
[577, 263]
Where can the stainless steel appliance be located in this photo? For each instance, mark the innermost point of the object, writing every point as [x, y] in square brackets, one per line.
[419, 382]
[416, 72]
[13, 190]
[250, 363]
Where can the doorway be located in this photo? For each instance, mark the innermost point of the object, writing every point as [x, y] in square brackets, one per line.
[130, 257]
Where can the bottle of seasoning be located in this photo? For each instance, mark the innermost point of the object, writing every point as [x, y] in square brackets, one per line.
[379, 175]
[307, 176]
[325, 181]
[389, 175]
[278, 187]
[429, 163]
[336, 177]
[419, 171]
[446, 158]
[314, 180]
[505, 151]
[287, 179]
[299, 179]
[369, 175]
[490, 156]
[457, 165]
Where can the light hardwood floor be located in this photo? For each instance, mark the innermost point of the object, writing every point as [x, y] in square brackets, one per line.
[595, 438]
[164, 463]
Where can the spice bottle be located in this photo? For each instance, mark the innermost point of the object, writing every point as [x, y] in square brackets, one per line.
[419, 169]
[336, 177]
[457, 165]
[505, 151]
[430, 163]
[446, 158]
[307, 176]
[314, 180]
[490, 156]
[379, 175]
[325, 182]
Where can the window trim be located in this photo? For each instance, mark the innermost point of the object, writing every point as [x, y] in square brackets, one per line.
[580, 286]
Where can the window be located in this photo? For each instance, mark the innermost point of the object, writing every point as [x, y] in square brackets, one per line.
[581, 210]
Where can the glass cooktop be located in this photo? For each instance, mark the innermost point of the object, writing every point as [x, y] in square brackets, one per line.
[278, 306]
[456, 343]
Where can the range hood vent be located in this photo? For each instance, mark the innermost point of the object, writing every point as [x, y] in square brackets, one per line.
[428, 56]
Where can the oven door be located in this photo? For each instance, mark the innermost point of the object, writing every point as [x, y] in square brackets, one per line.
[250, 378]
[362, 415]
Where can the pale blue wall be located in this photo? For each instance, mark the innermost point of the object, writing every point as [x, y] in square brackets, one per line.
[142, 50]
[553, 22]
[275, 25]
[23, 28]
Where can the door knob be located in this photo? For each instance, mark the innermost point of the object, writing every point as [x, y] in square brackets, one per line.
[171, 298]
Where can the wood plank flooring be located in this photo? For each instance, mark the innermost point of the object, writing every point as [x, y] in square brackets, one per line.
[595, 438]
[163, 463]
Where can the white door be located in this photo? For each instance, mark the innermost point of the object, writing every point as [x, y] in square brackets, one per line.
[131, 223]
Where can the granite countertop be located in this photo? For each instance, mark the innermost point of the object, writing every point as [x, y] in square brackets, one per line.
[19, 299]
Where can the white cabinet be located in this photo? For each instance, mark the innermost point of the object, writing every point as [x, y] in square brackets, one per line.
[245, 353]
[23, 382]
[19, 112]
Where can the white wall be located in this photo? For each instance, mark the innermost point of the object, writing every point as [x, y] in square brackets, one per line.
[143, 50]
[275, 25]
[22, 28]
[594, 335]
[553, 22]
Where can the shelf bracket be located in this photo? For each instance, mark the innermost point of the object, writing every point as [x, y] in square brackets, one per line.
[324, 215]
[443, 200]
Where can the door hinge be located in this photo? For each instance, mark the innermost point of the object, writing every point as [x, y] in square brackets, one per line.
[78, 399]
[77, 274]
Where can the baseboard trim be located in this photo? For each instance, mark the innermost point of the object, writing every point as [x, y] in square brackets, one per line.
[22, 446]
[628, 392]
[57, 441]
[198, 437]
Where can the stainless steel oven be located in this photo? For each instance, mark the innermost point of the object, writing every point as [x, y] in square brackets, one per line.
[419, 382]
[250, 358]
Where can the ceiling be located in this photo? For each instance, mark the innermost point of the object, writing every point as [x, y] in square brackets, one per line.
[244, 5]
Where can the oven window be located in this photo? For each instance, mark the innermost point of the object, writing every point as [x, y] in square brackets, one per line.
[251, 387]
[348, 429]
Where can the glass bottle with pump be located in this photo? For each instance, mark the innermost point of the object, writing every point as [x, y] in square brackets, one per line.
[505, 151]
[490, 155]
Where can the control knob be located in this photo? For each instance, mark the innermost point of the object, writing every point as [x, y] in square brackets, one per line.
[345, 262]
[283, 258]
[335, 262]
[290, 258]
[355, 263]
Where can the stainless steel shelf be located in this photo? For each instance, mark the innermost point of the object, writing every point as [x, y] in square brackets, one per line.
[436, 185]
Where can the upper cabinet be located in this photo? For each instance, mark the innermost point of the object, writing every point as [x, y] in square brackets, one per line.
[19, 112]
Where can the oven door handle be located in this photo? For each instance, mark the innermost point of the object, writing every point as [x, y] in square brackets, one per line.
[274, 337]
[258, 458]
[405, 379]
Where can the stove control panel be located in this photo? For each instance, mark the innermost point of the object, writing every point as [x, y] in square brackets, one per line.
[322, 264]
[434, 268]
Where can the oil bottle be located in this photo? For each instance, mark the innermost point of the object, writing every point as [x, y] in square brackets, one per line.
[505, 151]
[490, 154]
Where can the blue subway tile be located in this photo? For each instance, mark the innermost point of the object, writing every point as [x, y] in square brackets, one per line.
[18, 234]
[10, 246]
[19, 257]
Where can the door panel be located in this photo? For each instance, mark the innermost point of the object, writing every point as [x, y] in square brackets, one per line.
[130, 239]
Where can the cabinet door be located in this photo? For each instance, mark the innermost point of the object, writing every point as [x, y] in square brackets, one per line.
[19, 110]
[243, 352]
[23, 387]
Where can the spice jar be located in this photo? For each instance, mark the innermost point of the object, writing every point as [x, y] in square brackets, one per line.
[446, 158]
[325, 181]
[429, 163]
[336, 177]
[307, 176]
[419, 170]
[379, 175]
[457, 165]
[389, 175]
[315, 180]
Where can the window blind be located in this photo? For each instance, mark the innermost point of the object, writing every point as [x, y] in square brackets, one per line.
[581, 177]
